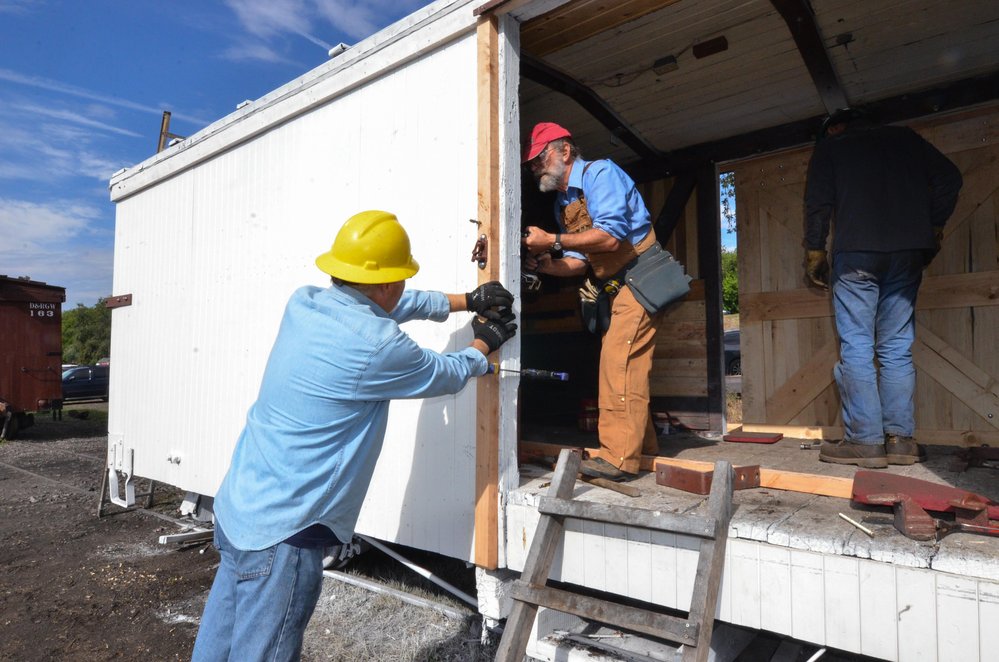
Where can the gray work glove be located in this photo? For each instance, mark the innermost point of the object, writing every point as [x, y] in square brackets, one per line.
[817, 268]
[494, 328]
[488, 296]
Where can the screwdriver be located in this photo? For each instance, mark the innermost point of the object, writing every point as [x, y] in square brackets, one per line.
[531, 373]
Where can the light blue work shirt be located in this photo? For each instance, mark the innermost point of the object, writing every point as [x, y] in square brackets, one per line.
[311, 440]
[614, 204]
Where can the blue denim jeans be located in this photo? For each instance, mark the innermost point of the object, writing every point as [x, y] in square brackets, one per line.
[874, 300]
[260, 602]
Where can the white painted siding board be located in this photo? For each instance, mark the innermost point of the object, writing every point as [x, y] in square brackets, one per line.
[618, 568]
[775, 589]
[878, 610]
[723, 608]
[594, 555]
[917, 618]
[573, 554]
[688, 551]
[988, 596]
[807, 596]
[639, 564]
[664, 567]
[842, 602]
[743, 576]
[957, 614]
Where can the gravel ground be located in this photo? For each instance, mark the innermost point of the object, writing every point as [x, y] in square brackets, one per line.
[75, 587]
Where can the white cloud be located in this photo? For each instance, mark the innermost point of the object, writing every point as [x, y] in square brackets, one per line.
[250, 49]
[269, 20]
[62, 88]
[60, 243]
[75, 118]
[29, 224]
[16, 6]
[49, 143]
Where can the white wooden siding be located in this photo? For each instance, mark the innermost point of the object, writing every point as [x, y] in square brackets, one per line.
[211, 244]
[882, 607]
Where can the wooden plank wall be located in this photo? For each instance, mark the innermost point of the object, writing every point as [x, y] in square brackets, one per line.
[789, 345]
[679, 380]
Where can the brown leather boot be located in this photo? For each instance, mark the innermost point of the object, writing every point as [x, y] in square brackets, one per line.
[868, 456]
[600, 468]
[903, 450]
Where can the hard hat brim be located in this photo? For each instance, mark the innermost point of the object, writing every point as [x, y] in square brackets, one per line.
[329, 264]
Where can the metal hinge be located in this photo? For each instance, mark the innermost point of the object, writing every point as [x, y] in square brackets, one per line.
[120, 459]
[118, 301]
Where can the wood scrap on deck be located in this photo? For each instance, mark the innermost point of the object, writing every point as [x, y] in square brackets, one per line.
[777, 479]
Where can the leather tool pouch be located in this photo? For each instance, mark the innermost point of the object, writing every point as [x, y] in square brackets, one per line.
[657, 279]
[595, 312]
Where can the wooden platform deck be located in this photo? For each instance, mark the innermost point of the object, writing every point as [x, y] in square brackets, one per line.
[793, 565]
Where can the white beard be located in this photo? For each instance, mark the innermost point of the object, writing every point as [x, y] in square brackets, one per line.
[551, 179]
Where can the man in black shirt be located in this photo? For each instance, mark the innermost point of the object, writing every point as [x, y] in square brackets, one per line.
[889, 193]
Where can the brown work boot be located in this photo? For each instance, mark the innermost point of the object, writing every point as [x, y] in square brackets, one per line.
[600, 468]
[903, 450]
[868, 456]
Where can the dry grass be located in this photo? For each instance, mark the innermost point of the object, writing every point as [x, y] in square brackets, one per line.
[733, 407]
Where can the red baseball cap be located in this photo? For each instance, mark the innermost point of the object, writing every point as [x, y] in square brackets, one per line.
[542, 134]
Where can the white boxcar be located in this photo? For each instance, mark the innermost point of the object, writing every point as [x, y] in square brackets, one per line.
[424, 119]
[213, 235]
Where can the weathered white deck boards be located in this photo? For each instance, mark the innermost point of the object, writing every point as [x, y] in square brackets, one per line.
[793, 566]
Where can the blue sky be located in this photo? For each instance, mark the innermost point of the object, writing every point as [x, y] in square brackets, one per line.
[83, 84]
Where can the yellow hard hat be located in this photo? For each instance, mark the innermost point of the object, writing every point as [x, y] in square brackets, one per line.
[372, 247]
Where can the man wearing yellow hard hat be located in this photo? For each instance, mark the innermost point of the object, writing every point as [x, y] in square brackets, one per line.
[304, 460]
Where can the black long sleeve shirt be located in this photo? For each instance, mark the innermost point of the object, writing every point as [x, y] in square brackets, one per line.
[886, 187]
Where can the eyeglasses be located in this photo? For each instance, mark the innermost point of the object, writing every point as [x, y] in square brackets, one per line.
[540, 158]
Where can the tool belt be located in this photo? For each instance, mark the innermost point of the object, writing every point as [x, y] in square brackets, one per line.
[656, 280]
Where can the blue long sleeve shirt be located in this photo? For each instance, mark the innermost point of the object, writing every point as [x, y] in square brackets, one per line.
[308, 450]
[614, 204]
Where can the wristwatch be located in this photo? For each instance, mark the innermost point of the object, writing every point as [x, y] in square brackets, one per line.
[557, 246]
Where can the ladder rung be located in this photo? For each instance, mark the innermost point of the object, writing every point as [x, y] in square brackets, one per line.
[693, 525]
[611, 613]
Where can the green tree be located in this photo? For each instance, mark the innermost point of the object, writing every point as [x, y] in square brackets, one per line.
[726, 187]
[730, 280]
[86, 333]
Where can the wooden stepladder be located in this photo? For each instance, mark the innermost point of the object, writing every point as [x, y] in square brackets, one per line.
[530, 591]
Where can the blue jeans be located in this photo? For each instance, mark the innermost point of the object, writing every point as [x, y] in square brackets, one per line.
[260, 602]
[874, 300]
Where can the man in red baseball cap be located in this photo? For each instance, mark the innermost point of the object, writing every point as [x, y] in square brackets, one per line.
[603, 227]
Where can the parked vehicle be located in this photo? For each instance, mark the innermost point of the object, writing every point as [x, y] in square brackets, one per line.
[85, 383]
[733, 353]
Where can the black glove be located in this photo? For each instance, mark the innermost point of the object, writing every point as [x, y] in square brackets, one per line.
[494, 328]
[486, 296]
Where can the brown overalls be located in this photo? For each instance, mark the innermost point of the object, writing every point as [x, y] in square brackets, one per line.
[625, 425]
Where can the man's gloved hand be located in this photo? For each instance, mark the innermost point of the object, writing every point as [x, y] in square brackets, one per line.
[817, 268]
[486, 296]
[494, 328]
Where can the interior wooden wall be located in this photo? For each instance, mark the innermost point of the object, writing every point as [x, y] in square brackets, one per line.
[789, 344]
[679, 380]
